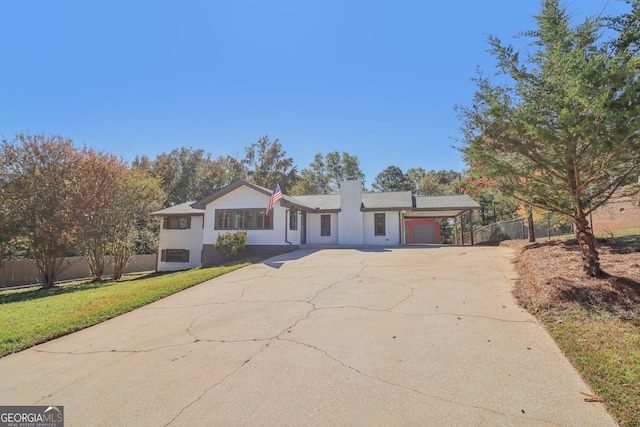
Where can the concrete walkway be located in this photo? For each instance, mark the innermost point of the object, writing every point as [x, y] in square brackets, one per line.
[397, 336]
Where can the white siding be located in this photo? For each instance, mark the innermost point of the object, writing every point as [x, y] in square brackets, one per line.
[190, 239]
[245, 198]
[392, 229]
[313, 230]
[351, 225]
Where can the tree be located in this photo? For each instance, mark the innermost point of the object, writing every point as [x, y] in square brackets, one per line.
[268, 165]
[118, 204]
[325, 173]
[438, 183]
[342, 167]
[5, 225]
[100, 176]
[562, 133]
[314, 179]
[39, 176]
[190, 174]
[182, 173]
[392, 179]
[137, 195]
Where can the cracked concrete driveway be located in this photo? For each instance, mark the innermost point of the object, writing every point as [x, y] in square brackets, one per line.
[395, 336]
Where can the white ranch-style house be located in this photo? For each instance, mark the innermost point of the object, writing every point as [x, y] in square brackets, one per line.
[352, 218]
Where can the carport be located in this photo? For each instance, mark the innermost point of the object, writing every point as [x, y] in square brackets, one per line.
[419, 225]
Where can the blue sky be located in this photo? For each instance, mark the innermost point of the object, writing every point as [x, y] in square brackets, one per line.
[378, 79]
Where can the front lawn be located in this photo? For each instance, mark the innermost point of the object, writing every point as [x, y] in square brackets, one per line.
[32, 316]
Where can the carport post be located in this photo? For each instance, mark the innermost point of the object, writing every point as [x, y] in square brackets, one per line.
[455, 230]
[471, 225]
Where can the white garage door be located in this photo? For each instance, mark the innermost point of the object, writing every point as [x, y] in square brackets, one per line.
[423, 234]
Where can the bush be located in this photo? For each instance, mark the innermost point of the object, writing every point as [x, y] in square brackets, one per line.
[229, 244]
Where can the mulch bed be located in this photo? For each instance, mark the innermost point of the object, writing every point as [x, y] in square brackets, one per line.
[552, 278]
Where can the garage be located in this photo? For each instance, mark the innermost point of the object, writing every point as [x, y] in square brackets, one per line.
[420, 231]
[438, 219]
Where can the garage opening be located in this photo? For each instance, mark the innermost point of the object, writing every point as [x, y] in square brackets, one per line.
[420, 231]
[422, 228]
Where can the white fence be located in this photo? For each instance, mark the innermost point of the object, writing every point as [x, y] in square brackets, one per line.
[25, 272]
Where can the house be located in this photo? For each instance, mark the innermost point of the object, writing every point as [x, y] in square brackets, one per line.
[352, 218]
[620, 215]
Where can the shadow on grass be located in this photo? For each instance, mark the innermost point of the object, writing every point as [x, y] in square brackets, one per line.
[31, 294]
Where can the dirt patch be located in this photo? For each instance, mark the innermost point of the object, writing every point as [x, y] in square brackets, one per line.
[551, 277]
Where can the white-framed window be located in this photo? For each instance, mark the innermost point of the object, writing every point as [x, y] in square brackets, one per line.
[379, 224]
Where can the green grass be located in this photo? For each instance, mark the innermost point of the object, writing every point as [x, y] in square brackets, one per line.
[606, 351]
[613, 234]
[31, 316]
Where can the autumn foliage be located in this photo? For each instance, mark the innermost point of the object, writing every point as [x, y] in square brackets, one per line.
[56, 197]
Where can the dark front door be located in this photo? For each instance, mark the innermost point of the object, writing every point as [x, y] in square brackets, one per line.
[303, 230]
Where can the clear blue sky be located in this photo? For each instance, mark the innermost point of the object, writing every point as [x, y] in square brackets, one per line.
[378, 79]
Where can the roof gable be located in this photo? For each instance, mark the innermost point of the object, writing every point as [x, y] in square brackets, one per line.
[178, 210]
[202, 203]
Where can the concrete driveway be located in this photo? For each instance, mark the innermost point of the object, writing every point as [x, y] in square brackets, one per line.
[396, 336]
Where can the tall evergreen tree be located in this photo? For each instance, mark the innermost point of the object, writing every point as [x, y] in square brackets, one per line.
[562, 134]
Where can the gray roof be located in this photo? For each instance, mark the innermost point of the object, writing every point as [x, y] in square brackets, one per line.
[181, 209]
[460, 201]
[324, 202]
[370, 201]
[390, 200]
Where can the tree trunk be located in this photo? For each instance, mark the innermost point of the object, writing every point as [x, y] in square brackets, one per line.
[95, 258]
[48, 272]
[121, 256]
[532, 232]
[587, 243]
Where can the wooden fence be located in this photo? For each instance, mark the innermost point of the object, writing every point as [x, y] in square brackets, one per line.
[24, 271]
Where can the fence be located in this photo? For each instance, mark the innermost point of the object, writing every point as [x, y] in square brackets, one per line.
[25, 272]
[619, 217]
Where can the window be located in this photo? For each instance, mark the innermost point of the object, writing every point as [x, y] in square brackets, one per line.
[243, 219]
[293, 220]
[379, 224]
[224, 220]
[177, 222]
[174, 255]
[325, 225]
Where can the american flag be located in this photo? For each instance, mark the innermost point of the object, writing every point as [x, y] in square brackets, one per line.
[277, 195]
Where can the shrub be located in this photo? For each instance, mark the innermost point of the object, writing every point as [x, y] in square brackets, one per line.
[229, 244]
